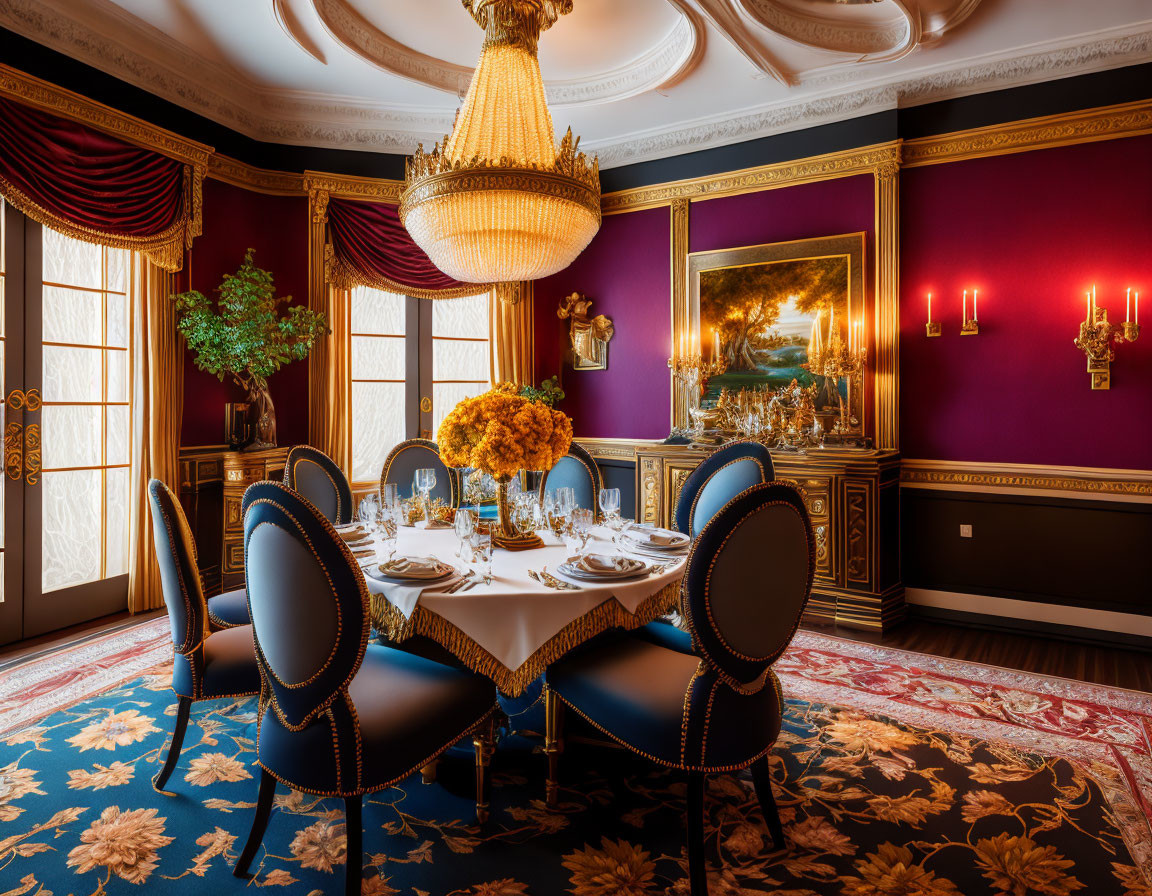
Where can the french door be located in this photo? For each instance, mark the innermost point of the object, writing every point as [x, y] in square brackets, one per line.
[65, 334]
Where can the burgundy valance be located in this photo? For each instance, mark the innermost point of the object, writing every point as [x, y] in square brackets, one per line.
[370, 247]
[96, 187]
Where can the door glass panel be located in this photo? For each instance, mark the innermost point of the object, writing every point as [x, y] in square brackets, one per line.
[86, 418]
[378, 357]
[460, 358]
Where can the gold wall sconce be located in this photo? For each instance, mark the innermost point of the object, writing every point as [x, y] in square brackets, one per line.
[589, 336]
[970, 326]
[932, 326]
[1098, 337]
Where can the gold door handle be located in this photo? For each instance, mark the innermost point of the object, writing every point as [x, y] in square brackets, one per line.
[14, 436]
[32, 440]
[426, 405]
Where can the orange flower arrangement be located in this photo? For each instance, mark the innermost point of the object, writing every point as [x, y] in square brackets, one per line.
[501, 433]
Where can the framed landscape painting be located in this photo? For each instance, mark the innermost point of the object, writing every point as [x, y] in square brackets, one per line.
[756, 308]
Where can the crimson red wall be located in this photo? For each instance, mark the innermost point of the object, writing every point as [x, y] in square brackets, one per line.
[1032, 231]
[626, 271]
[277, 228]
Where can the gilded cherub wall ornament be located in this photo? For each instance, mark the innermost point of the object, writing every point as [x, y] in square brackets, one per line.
[589, 335]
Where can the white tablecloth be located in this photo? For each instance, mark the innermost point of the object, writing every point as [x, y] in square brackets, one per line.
[510, 630]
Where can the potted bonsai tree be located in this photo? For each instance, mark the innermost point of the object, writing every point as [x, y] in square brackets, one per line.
[244, 336]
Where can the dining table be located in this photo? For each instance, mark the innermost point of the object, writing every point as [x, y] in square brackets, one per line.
[511, 628]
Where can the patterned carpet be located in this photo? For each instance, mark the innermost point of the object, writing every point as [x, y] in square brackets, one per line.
[897, 774]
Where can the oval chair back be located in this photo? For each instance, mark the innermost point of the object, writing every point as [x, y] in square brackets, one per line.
[405, 459]
[748, 579]
[717, 480]
[313, 474]
[577, 470]
[179, 572]
[308, 603]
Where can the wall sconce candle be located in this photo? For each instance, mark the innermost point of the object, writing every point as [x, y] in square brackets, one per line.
[1098, 337]
[970, 326]
[933, 326]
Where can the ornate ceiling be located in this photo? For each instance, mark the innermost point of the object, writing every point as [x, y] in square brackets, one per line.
[639, 79]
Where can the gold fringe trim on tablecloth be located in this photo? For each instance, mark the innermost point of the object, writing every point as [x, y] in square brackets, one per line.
[513, 682]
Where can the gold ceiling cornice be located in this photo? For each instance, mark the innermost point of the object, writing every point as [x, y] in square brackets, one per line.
[249, 177]
[866, 160]
[1047, 132]
[40, 94]
[346, 186]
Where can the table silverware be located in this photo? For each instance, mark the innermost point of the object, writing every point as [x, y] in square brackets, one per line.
[470, 585]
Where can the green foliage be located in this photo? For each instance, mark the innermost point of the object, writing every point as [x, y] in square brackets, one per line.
[549, 392]
[245, 336]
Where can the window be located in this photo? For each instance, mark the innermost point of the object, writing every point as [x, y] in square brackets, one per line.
[87, 415]
[404, 350]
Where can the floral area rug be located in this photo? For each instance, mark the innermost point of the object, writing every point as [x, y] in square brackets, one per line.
[897, 774]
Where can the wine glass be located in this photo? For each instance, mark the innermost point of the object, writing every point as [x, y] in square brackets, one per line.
[389, 495]
[387, 524]
[425, 482]
[566, 500]
[366, 511]
[610, 503]
[579, 532]
[482, 553]
[465, 525]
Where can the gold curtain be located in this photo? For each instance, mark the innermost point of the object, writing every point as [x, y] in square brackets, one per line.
[158, 399]
[330, 420]
[512, 355]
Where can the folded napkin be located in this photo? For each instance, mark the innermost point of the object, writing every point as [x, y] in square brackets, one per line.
[659, 538]
[363, 553]
[601, 563]
[406, 594]
[438, 524]
[355, 533]
[413, 568]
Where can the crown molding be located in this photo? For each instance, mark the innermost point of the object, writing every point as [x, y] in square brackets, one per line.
[34, 92]
[259, 180]
[1105, 123]
[346, 186]
[1090, 483]
[151, 60]
[879, 158]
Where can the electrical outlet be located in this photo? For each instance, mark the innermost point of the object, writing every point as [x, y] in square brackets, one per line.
[965, 530]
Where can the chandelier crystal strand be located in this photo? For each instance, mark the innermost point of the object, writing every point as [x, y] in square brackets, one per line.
[499, 202]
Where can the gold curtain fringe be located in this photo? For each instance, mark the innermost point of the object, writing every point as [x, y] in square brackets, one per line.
[165, 249]
[341, 275]
[513, 682]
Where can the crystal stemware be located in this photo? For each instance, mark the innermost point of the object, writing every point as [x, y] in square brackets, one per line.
[465, 525]
[610, 502]
[425, 482]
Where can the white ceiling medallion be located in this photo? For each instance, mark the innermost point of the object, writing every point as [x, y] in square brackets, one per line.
[660, 66]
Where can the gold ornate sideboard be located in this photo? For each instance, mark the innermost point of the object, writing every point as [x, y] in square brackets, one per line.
[212, 485]
[853, 497]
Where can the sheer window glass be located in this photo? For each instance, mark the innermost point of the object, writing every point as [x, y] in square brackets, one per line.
[378, 374]
[86, 417]
[460, 363]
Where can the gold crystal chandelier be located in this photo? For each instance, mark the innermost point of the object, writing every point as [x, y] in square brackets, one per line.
[498, 202]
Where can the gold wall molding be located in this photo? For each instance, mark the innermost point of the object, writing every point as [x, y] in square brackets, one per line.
[42, 95]
[681, 211]
[1084, 126]
[258, 180]
[615, 449]
[845, 163]
[344, 186]
[1088, 483]
[886, 307]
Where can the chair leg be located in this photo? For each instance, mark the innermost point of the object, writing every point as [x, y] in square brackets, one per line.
[762, 779]
[354, 862]
[694, 822]
[183, 708]
[482, 740]
[259, 823]
[553, 743]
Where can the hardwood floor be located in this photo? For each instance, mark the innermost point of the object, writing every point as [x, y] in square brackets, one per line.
[1115, 667]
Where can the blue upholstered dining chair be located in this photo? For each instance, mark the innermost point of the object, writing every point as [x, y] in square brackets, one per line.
[718, 709]
[339, 717]
[405, 459]
[313, 474]
[577, 470]
[719, 478]
[207, 664]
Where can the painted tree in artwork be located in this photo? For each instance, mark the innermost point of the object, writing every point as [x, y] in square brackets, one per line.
[743, 303]
[244, 336]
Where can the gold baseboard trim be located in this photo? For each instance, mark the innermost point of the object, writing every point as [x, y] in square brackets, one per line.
[1087, 483]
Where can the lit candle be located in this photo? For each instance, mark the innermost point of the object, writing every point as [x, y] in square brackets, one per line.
[1137, 321]
[965, 306]
[715, 344]
[975, 313]
[929, 307]
[1088, 308]
[1128, 306]
[831, 318]
[1093, 303]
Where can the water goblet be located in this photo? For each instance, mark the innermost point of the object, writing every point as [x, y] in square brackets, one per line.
[389, 495]
[388, 526]
[465, 525]
[482, 554]
[580, 531]
[366, 511]
[566, 500]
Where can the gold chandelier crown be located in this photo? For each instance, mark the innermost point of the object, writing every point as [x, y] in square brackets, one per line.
[497, 200]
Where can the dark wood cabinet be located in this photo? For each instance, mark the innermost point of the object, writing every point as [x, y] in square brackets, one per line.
[212, 485]
[853, 497]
